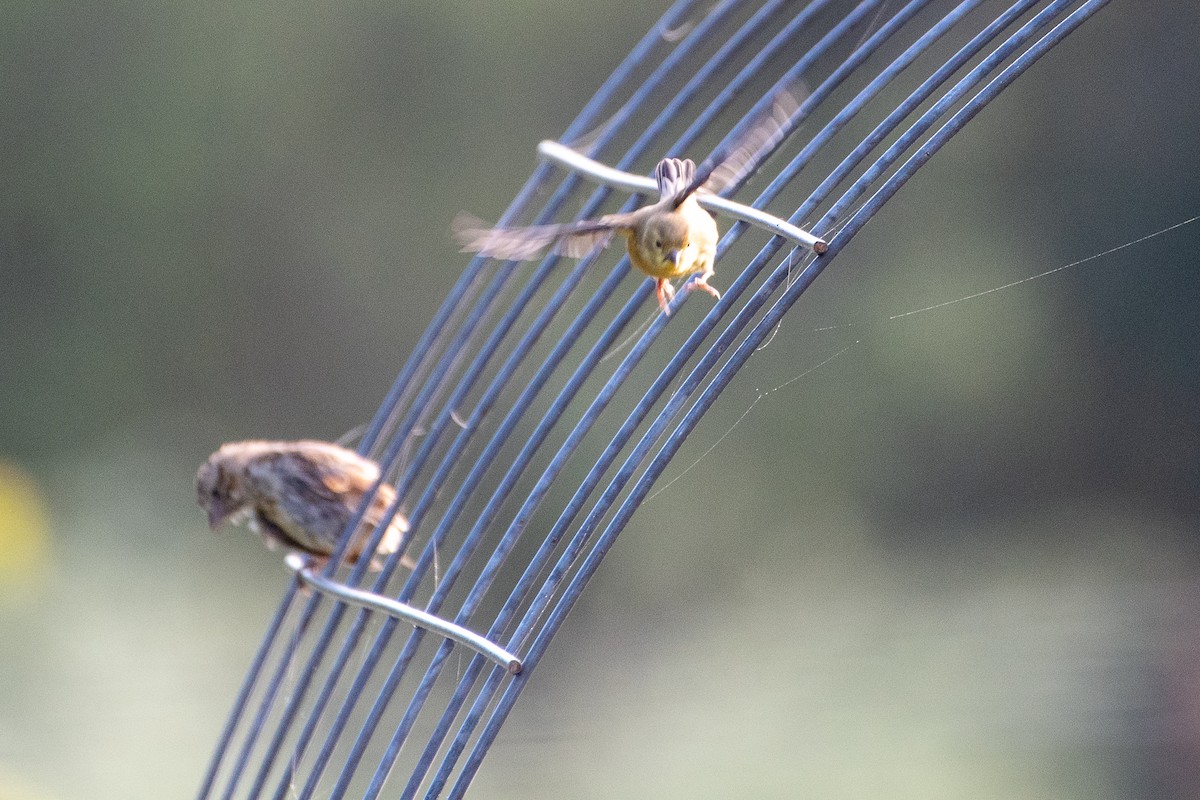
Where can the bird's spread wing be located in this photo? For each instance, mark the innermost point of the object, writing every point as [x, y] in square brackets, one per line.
[581, 238]
[572, 239]
[734, 164]
[508, 243]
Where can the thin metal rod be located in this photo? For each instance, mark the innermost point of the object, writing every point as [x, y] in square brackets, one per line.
[239, 705]
[415, 616]
[638, 184]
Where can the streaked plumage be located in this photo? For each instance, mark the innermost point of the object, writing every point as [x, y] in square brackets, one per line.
[297, 494]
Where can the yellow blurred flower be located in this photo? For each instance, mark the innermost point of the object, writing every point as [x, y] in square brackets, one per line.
[24, 530]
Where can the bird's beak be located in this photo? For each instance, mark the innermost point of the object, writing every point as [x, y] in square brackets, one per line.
[673, 256]
[216, 515]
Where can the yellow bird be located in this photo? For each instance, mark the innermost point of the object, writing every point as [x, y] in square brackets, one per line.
[672, 238]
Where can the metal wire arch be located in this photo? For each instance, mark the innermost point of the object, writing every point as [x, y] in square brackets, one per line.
[488, 337]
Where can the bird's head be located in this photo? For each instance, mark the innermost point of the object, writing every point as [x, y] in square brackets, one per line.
[665, 238]
[218, 490]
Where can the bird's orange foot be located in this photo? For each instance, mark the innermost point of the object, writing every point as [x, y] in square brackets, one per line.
[666, 293]
[702, 284]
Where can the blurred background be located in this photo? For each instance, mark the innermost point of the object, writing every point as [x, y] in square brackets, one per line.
[958, 560]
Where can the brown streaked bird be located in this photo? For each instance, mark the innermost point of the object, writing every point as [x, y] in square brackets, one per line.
[298, 494]
[672, 238]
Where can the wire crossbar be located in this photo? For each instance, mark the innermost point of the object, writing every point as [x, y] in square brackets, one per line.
[566, 157]
[510, 396]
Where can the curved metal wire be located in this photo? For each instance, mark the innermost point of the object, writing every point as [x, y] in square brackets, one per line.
[482, 423]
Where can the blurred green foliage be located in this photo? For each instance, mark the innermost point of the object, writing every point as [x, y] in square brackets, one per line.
[958, 560]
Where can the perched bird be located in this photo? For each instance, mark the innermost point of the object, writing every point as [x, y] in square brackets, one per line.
[672, 238]
[298, 494]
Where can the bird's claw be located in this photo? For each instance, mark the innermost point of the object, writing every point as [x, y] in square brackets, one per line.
[702, 284]
[666, 293]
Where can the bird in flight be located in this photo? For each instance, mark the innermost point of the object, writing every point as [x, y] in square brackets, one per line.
[671, 238]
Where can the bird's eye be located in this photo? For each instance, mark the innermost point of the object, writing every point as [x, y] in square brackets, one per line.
[658, 243]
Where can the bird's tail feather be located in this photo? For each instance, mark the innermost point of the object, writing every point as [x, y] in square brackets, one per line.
[674, 175]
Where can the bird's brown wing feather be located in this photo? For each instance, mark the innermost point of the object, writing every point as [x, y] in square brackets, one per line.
[521, 244]
[268, 521]
[353, 479]
[583, 237]
[572, 239]
[746, 154]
